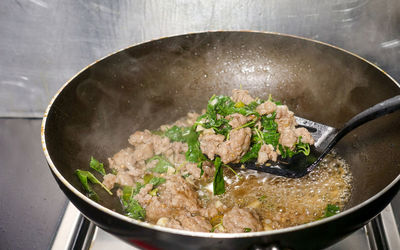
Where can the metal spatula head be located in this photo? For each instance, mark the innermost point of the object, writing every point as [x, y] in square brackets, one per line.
[299, 165]
[325, 138]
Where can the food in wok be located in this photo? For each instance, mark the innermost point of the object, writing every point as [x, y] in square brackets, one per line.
[179, 175]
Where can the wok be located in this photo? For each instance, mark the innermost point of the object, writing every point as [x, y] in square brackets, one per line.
[157, 82]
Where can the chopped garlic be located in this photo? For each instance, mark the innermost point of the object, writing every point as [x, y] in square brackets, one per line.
[162, 221]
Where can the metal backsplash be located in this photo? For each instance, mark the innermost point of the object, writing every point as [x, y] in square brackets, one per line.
[43, 43]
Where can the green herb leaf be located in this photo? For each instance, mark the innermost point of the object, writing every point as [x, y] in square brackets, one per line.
[176, 133]
[153, 192]
[200, 165]
[194, 153]
[268, 122]
[147, 178]
[271, 138]
[161, 166]
[156, 181]
[218, 183]
[285, 151]
[98, 166]
[84, 180]
[134, 210]
[331, 210]
[186, 175]
[252, 153]
[246, 230]
[85, 177]
[129, 192]
[131, 206]
[303, 147]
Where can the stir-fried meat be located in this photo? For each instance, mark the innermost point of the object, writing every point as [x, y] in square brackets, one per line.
[305, 135]
[209, 143]
[174, 191]
[266, 108]
[266, 153]
[288, 138]
[156, 209]
[236, 120]
[109, 180]
[237, 145]
[178, 193]
[194, 223]
[123, 159]
[143, 197]
[239, 95]
[284, 118]
[191, 169]
[237, 220]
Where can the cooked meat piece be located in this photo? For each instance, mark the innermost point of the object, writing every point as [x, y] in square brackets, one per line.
[265, 108]
[124, 179]
[237, 145]
[179, 159]
[288, 138]
[237, 120]
[162, 145]
[192, 169]
[209, 144]
[123, 159]
[266, 153]
[284, 118]
[148, 144]
[156, 209]
[239, 95]
[169, 222]
[137, 170]
[109, 180]
[194, 223]
[237, 219]
[143, 197]
[305, 135]
[178, 193]
[140, 137]
[179, 147]
[143, 152]
[208, 169]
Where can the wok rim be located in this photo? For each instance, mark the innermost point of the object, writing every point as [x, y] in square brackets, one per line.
[147, 225]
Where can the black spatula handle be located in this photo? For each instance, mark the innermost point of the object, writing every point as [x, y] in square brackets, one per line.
[386, 107]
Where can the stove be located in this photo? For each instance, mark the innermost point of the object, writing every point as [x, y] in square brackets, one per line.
[76, 232]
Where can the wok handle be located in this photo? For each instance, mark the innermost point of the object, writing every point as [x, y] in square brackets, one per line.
[386, 107]
[383, 108]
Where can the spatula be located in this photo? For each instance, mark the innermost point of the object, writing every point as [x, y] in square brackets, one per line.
[325, 138]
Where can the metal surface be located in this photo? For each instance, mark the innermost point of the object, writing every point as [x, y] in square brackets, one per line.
[43, 43]
[31, 203]
[162, 80]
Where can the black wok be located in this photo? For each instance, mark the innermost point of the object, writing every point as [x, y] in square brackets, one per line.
[158, 82]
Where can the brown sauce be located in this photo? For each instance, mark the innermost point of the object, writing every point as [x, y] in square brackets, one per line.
[282, 202]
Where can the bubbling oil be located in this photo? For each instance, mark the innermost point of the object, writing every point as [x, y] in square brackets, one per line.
[284, 202]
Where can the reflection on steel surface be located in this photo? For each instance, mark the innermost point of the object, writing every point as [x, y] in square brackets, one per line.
[44, 43]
